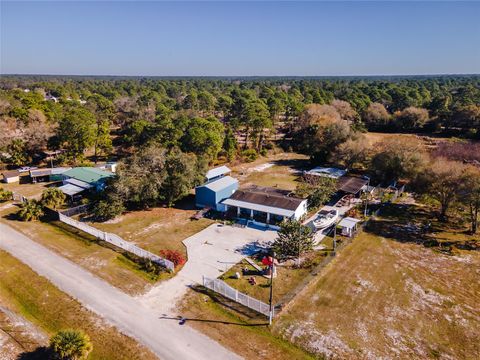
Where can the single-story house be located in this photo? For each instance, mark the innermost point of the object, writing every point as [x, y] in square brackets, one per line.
[11, 176]
[265, 205]
[348, 226]
[79, 179]
[330, 172]
[212, 193]
[217, 172]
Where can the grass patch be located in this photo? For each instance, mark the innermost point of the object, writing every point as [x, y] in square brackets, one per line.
[249, 337]
[84, 250]
[158, 228]
[36, 299]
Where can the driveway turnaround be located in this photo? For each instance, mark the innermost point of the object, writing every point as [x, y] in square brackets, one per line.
[166, 338]
[211, 252]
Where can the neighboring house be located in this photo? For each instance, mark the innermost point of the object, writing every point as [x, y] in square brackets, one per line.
[48, 174]
[265, 205]
[79, 179]
[11, 176]
[212, 193]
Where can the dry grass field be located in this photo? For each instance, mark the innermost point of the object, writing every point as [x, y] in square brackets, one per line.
[33, 297]
[278, 170]
[157, 228]
[381, 298]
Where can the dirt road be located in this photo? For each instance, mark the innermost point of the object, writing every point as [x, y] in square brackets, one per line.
[166, 338]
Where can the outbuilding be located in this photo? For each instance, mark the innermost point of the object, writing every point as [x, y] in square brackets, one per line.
[11, 176]
[348, 226]
[212, 193]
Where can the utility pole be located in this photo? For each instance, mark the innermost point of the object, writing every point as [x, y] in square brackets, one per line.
[270, 315]
[366, 198]
[334, 238]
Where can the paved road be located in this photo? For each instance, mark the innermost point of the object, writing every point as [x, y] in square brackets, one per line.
[211, 252]
[165, 338]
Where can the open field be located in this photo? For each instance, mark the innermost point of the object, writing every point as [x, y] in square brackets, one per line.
[392, 298]
[278, 170]
[157, 228]
[38, 301]
[84, 250]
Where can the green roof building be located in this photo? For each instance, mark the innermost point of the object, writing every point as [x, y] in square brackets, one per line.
[86, 177]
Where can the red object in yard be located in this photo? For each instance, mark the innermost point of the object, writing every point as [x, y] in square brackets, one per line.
[267, 260]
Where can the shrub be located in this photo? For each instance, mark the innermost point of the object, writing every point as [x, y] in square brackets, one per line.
[107, 209]
[249, 155]
[264, 152]
[5, 195]
[174, 256]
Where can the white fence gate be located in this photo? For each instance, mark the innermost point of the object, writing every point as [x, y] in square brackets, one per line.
[222, 288]
[117, 241]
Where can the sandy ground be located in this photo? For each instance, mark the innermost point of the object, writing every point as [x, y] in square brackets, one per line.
[166, 338]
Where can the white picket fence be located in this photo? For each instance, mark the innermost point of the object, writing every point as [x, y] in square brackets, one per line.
[117, 241]
[222, 288]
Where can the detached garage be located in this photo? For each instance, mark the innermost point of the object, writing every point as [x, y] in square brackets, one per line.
[210, 195]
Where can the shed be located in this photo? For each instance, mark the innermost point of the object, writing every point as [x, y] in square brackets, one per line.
[212, 193]
[11, 176]
[39, 175]
[348, 226]
[217, 172]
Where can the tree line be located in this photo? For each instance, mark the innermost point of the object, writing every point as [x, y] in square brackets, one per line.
[210, 116]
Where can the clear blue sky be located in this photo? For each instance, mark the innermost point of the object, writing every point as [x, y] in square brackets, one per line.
[240, 38]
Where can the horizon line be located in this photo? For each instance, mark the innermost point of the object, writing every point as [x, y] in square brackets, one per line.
[244, 76]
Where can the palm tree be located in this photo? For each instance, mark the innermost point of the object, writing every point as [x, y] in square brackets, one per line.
[30, 210]
[70, 345]
[53, 197]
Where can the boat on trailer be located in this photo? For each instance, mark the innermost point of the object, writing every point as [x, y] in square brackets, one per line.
[325, 218]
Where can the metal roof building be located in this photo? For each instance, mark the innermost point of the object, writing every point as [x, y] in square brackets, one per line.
[217, 172]
[212, 193]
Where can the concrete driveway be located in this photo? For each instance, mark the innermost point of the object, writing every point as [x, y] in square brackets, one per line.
[211, 252]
